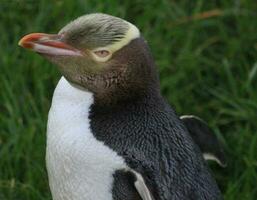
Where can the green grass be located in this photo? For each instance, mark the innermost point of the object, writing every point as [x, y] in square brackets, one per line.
[206, 52]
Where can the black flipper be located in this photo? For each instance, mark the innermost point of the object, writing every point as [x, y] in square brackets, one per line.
[205, 139]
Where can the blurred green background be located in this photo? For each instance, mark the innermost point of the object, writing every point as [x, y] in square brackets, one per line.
[206, 52]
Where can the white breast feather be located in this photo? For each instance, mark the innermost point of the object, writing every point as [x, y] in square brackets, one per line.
[79, 166]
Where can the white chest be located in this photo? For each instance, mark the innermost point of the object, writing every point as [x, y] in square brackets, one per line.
[79, 166]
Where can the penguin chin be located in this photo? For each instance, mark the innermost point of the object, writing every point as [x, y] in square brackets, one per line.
[103, 80]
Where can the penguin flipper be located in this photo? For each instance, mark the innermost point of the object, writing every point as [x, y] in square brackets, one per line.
[130, 185]
[204, 137]
[141, 186]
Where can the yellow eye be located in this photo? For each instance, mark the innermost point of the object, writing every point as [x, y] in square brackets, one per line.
[102, 53]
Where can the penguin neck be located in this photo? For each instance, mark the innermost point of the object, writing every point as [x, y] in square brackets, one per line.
[135, 98]
[127, 119]
[68, 92]
[74, 99]
[71, 102]
[151, 99]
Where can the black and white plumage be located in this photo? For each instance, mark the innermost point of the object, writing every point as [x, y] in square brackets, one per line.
[110, 133]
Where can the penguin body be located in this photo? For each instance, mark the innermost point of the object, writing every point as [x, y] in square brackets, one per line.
[110, 133]
[158, 148]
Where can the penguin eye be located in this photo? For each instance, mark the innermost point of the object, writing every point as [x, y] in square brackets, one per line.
[102, 53]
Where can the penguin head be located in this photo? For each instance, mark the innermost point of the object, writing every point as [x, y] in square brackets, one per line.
[100, 53]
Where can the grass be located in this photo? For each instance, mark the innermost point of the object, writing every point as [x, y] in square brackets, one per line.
[206, 52]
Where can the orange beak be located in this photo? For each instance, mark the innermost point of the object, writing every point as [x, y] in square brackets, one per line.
[49, 44]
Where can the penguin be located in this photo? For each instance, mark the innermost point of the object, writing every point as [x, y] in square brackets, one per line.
[110, 133]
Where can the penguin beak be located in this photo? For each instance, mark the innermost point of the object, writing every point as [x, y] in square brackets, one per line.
[49, 44]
